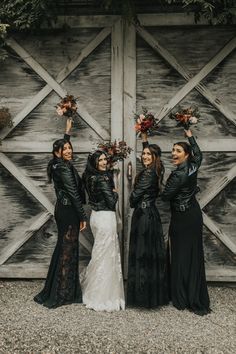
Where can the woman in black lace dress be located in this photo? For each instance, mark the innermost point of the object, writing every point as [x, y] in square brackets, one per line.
[147, 269]
[188, 280]
[62, 284]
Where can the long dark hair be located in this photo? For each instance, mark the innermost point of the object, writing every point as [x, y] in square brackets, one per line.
[157, 163]
[56, 147]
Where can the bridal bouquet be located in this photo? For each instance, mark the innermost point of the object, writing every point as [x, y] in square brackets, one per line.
[116, 151]
[67, 106]
[185, 116]
[145, 122]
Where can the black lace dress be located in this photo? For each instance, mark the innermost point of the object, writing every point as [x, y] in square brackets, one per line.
[148, 267]
[62, 284]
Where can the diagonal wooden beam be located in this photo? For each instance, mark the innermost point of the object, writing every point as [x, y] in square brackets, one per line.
[225, 239]
[200, 87]
[16, 241]
[63, 74]
[38, 195]
[217, 188]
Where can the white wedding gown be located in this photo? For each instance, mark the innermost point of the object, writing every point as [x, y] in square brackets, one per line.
[102, 287]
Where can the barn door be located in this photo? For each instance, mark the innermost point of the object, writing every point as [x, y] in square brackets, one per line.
[196, 65]
[86, 62]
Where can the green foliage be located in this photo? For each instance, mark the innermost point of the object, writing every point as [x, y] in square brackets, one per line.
[3, 33]
[25, 14]
[215, 11]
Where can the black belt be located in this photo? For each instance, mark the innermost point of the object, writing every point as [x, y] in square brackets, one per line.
[181, 207]
[145, 205]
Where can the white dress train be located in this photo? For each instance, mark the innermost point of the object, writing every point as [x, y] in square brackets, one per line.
[102, 286]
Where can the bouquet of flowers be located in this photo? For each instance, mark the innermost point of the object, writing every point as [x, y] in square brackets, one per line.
[145, 122]
[185, 116]
[116, 151]
[5, 118]
[67, 106]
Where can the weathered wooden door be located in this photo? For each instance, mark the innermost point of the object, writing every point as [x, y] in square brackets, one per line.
[85, 62]
[115, 71]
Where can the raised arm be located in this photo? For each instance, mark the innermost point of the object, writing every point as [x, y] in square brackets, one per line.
[197, 154]
[68, 129]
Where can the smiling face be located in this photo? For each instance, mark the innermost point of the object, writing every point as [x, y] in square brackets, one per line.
[178, 155]
[67, 152]
[102, 163]
[147, 158]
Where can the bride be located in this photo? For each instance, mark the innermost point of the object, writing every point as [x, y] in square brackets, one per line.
[103, 284]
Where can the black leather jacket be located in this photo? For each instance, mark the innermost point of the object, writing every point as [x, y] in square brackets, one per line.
[99, 186]
[181, 186]
[68, 184]
[145, 189]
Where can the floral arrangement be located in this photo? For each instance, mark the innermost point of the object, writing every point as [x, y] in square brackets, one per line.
[5, 118]
[67, 106]
[116, 151]
[185, 116]
[145, 122]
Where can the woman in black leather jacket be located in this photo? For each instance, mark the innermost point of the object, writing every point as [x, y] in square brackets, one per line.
[103, 284]
[62, 284]
[147, 268]
[188, 281]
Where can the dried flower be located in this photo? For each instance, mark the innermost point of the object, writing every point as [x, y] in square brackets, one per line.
[185, 116]
[145, 122]
[67, 107]
[116, 151]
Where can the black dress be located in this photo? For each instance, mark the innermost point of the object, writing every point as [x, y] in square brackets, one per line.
[62, 284]
[188, 280]
[147, 269]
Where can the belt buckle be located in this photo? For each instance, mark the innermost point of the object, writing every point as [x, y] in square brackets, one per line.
[143, 205]
[182, 208]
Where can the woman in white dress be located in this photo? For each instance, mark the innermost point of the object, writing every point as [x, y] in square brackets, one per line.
[102, 287]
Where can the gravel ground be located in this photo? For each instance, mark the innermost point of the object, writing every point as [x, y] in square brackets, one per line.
[26, 327]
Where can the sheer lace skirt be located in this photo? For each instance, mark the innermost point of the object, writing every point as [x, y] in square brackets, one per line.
[102, 287]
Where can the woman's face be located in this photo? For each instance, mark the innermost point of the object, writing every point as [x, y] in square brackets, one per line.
[66, 152]
[178, 155]
[102, 163]
[147, 158]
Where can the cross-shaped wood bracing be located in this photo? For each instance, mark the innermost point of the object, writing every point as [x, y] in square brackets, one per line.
[195, 83]
[54, 85]
[51, 84]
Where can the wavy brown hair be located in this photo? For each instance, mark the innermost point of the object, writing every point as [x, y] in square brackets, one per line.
[157, 164]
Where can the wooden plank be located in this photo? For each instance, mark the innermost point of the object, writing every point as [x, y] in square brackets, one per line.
[201, 88]
[219, 233]
[62, 75]
[221, 55]
[30, 147]
[16, 240]
[211, 145]
[117, 112]
[90, 21]
[54, 85]
[150, 20]
[217, 188]
[28, 270]
[221, 274]
[170, 19]
[129, 133]
[26, 182]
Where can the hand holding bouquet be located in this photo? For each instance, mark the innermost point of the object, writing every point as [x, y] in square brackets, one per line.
[116, 151]
[67, 106]
[185, 116]
[145, 122]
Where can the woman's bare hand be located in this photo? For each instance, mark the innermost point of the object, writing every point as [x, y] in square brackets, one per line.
[188, 133]
[82, 225]
[144, 136]
[68, 125]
